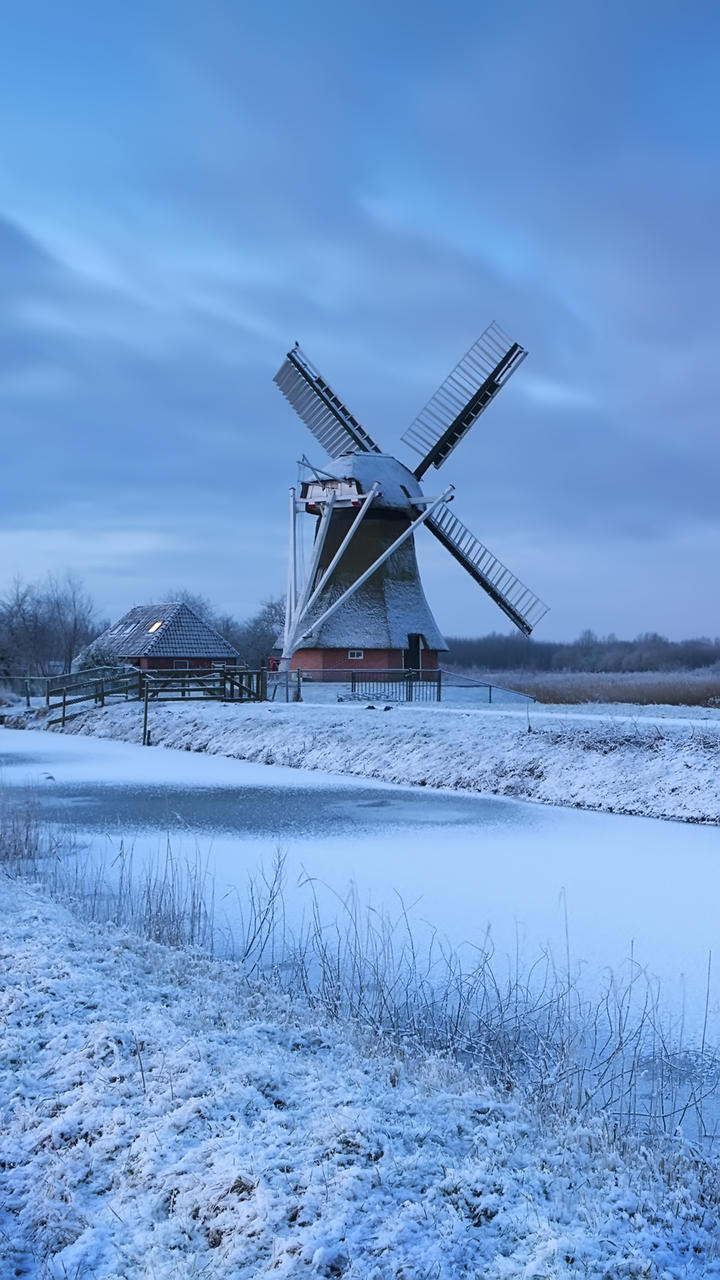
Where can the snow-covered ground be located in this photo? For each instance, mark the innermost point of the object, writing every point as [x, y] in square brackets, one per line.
[526, 880]
[661, 763]
[162, 1120]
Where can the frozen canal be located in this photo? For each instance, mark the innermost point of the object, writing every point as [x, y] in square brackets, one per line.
[470, 866]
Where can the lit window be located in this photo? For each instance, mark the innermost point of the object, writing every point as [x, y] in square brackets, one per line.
[155, 626]
[356, 653]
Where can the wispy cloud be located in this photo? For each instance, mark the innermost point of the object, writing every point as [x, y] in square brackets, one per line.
[187, 193]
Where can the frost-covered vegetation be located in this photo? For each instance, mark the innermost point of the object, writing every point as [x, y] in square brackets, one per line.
[531, 1027]
[337, 1103]
[698, 688]
[657, 765]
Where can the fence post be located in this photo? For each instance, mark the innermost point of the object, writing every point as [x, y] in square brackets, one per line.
[27, 693]
[439, 686]
[145, 715]
[298, 686]
[47, 693]
[262, 691]
[489, 694]
[63, 707]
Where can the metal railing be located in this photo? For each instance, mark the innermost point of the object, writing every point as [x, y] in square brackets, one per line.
[68, 695]
[397, 686]
[394, 686]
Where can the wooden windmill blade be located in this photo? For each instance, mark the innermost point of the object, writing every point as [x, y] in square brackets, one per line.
[516, 600]
[314, 400]
[461, 398]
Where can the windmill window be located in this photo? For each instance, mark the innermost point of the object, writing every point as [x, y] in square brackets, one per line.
[356, 653]
[155, 626]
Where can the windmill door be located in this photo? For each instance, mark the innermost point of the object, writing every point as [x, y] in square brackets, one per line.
[411, 655]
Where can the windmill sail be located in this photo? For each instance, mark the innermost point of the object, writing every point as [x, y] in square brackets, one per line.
[330, 421]
[461, 398]
[516, 600]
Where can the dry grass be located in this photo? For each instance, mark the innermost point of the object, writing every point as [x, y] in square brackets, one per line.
[651, 688]
[532, 1029]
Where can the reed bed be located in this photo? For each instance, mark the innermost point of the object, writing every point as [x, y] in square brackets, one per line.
[643, 688]
[530, 1028]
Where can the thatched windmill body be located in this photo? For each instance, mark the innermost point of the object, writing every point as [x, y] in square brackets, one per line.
[359, 601]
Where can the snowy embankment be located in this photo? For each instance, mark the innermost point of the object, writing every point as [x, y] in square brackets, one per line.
[160, 1118]
[663, 766]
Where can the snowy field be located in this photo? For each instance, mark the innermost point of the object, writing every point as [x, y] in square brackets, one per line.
[525, 880]
[161, 1119]
[660, 763]
[168, 1116]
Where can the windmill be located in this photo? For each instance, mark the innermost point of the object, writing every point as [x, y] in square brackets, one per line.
[360, 602]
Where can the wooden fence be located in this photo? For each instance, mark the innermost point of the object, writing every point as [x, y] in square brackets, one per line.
[222, 684]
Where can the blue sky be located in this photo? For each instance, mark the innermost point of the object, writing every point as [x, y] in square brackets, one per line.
[187, 188]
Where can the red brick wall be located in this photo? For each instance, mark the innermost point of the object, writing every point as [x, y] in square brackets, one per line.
[372, 660]
[307, 660]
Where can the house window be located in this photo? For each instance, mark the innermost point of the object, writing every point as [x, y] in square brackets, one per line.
[180, 664]
[356, 653]
[155, 626]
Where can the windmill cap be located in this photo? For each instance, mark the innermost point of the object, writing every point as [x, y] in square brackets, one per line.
[398, 486]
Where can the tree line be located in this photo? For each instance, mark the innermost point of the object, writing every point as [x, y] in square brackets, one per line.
[647, 652]
[46, 625]
[43, 625]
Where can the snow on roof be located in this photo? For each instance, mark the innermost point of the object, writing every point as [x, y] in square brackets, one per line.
[382, 613]
[398, 486]
[171, 630]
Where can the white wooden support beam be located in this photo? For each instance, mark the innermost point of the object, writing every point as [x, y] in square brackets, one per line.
[291, 594]
[318, 545]
[360, 514]
[324, 617]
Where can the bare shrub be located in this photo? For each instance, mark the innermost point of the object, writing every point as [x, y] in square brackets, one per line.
[530, 1028]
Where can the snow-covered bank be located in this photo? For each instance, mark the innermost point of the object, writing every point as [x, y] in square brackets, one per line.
[159, 1119]
[667, 766]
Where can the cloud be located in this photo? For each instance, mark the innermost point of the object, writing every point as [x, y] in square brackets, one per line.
[380, 187]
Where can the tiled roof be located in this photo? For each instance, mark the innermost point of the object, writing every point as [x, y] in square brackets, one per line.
[181, 634]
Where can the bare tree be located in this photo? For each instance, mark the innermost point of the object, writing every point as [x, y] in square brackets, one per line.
[25, 630]
[254, 638]
[72, 617]
[199, 604]
[43, 626]
[258, 636]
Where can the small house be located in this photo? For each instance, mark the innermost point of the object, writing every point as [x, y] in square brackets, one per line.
[164, 637]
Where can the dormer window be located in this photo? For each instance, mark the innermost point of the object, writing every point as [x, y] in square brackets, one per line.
[155, 626]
